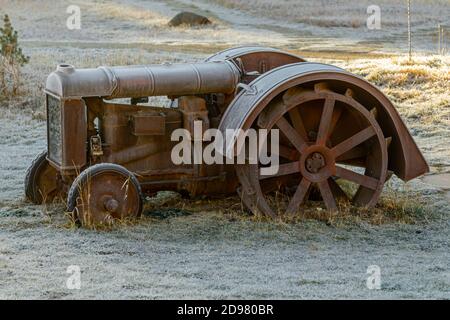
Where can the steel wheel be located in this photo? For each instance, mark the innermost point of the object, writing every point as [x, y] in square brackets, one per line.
[103, 193]
[328, 141]
[41, 181]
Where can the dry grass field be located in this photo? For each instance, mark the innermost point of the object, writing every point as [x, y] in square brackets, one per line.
[196, 248]
[346, 14]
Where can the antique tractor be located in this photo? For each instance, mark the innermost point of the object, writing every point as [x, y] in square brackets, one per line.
[336, 130]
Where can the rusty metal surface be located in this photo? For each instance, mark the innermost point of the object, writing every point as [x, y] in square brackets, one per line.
[405, 159]
[66, 133]
[342, 127]
[144, 81]
[103, 193]
[335, 128]
[255, 60]
[42, 181]
[238, 52]
[148, 124]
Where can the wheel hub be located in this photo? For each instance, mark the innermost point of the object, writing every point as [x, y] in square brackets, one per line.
[111, 205]
[315, 162]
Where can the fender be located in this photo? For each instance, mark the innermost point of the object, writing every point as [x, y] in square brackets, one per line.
[256, 58]
[405, 158]
[240, 51]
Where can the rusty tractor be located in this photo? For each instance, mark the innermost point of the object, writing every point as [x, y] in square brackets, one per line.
[335, 129]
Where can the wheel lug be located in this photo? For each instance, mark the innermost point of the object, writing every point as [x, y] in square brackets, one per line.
[315, 162]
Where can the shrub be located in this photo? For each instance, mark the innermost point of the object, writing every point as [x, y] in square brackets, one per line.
[11, 59]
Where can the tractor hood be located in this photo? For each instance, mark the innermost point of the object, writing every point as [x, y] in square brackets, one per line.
[68, 82]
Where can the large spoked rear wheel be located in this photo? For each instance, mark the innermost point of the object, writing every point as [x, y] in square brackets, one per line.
[104, 193]
[328, 142]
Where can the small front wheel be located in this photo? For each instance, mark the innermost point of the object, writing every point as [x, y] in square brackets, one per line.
[103, 193]
[41, 181]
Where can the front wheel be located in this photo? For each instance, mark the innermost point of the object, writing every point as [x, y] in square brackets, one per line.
[103, 193]
[41, 181]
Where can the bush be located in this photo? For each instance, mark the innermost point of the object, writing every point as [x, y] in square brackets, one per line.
[11, 59]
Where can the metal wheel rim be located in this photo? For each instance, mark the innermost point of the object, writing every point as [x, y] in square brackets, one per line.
[106, 196]
[329, 189]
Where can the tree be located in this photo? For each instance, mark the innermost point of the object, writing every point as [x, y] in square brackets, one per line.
[10, 48]
[12, 57]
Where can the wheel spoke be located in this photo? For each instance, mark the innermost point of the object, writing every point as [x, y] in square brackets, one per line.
[337, 190]
[299, 196]
[353, 141]
[360, 179]
[325, 120]
[288, 153]
[327, 195]
[359, 163]
[251, 179]
[355, 153]
[334, 120]
[290, 133]
[283, 169]
[297, 121]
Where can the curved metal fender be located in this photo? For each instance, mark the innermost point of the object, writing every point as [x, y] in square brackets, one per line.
[405, 158]
[256, 59]
[237, 52]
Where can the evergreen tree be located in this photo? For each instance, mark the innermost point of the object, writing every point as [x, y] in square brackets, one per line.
[9, 46]
[11, 59]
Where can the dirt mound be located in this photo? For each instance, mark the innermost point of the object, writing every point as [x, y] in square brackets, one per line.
[188, 18]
